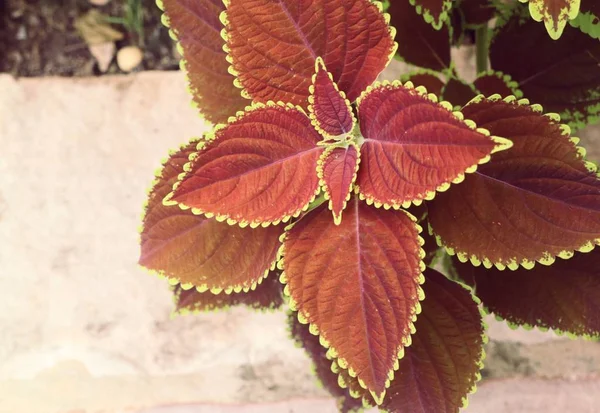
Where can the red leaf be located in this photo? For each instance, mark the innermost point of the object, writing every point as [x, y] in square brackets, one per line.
[196, 25]
[322, 365]
[198, 251]
[564, 296]
[428, 79]
[266, 296]
[491, 83]
[357, 283]
[442, 365]
[544, 68]
[273, 45]
[538, 200]
[476, 12]
[435, 12]
[418, 42]
[554, 13]
[414, 146]
[258, 169]
[337, 172]
[458, 92]
[329, 109]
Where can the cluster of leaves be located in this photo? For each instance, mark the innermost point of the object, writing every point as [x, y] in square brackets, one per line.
[315, 186]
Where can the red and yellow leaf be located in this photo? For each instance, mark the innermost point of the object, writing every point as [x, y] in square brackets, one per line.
[435, 12]
[544, 68]
[564, 296]
[337, 171]
[273, 45]
[418, 42]
[329, 109]
[554, 13]
[196, 26]
[258, 169]
[322, 365]
[414, 146]
[537, 201]
[357, 284]
[197, 251]
[458, 92]
[268, 295]
[442, 365]
[491, 83]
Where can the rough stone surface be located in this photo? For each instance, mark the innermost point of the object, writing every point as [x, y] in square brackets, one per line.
[83, 329]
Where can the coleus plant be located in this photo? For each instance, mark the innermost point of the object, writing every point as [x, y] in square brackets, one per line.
[315, 185]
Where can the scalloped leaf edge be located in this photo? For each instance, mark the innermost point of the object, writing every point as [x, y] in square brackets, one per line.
[501, 144]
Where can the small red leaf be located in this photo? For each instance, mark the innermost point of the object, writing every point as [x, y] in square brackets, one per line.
[538, 200]
[491, 83]
[414, 146]
[418, 42]
[564, 296]
[554, 13]
[458, 92]
[337, 171]
[198, 251]
[259, 169]
[428, 79]
[197, 27]
[544, 68]
[357, 283]
[268, 295]
[322, 365]
[442, 365]
[273, 45]
[435, 12]
[329, 109]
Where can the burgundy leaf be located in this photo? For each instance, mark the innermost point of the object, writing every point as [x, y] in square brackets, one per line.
[258, 169]
[534, 202]
[329, 109]
[418, 42]
[491, 83]
[273, 45]
[268, 295]
[196, 25]
[414, 146]
[197, 251]
[564, 296]
[458, 92]
[544, 68]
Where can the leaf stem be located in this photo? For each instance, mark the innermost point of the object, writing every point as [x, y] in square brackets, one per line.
[482, 44]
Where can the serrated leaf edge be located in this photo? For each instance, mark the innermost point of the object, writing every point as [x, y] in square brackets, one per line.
[332, 353]
[513, 85]
[337, 219]
[210, 138]
[501, 144]
[429, 18]
[165, 20]
[549, 258]
[320, 65]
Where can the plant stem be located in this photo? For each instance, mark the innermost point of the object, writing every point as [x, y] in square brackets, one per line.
[481, 40]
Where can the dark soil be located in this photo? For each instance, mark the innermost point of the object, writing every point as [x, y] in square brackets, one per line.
[38, 38]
